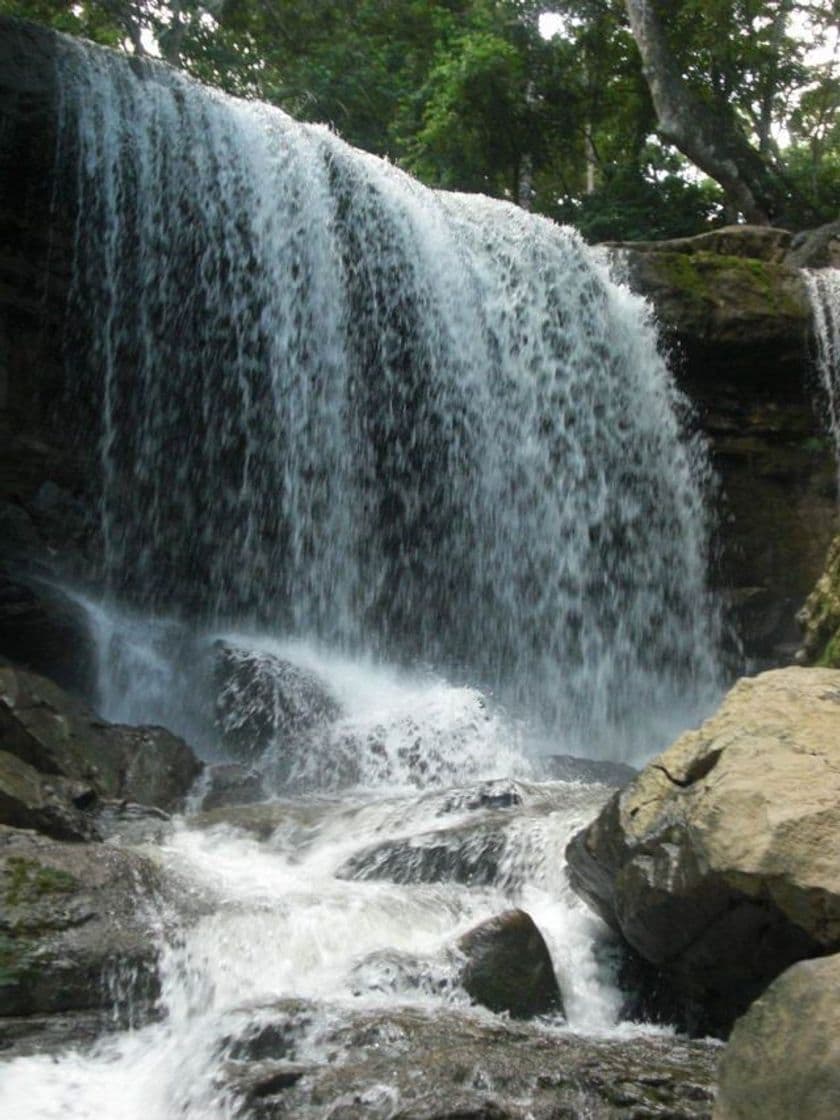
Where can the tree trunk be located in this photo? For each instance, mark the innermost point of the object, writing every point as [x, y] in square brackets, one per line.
[710, 137]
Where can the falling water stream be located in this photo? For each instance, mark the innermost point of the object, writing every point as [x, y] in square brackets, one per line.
[419, 445]
[824, 292]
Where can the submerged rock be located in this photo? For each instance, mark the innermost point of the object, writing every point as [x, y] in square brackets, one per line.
[469, 853]
[263, 701]
[720, 863]
[391, 972]
[229, 783]
[59, 735]
[414, 1064]
[509, 967]
[783, 1059]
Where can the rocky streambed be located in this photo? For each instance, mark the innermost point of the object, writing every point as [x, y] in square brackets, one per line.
[408, 950]
[360, 918]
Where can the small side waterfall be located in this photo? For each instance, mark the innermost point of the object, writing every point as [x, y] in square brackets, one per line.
[337, 405]
[824, 291]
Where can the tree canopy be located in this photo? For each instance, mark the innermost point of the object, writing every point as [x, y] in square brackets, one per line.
[636, 119]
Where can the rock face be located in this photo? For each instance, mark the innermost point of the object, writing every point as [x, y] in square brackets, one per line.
[509, 967]
[720, 863]
[820, 616]
[58, 735]
[77, 925]
[729, 289]
[816, 248]
[735, 311]
[783, 1059]
[43, 630]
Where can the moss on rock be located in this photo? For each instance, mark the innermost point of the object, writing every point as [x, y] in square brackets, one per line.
[820, 616]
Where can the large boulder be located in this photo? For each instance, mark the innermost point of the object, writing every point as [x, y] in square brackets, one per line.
[265, 702]
[720, 863]
[59, 735]
[52, 805]
[508, 967]
[783, 1059]
[79, 926]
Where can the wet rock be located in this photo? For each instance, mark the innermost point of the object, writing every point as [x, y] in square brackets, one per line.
[411, 1064]
[231, 784]
[132, 823]
[262, 820]
[501, 793]
[263, 701]
[783, 1059]
[820, 616]
[53, 806]
[469, 853]
[726, 298]
[158, 767]
[60, 735]
[392, 972]
[43, 630]
[736, 315]
[509, 967]
[764, 243]
[570, 768]
[720, 863]
[25, 1035]
[19, 536]
[816, 248]
[79, 926]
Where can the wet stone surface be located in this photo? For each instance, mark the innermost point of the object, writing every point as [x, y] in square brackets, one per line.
[306, 1061]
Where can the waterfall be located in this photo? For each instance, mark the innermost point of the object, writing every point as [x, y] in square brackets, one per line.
[338, 406]
[824, 293]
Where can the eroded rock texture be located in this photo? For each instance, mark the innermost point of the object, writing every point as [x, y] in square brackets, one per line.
[720, 863]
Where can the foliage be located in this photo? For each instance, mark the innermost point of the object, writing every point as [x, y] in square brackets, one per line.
[468, 95]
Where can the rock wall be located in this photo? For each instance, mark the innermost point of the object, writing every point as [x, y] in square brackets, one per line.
[35, 263]
[737, 319]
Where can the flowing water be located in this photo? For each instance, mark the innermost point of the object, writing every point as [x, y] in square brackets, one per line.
[824, 291]
[410, 424]
[420, 447]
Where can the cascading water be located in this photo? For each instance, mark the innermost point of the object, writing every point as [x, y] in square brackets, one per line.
[337, 405]
[416, 445]
[824, 291]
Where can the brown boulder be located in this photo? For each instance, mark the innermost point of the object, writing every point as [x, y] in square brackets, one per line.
[59, 735]
[720, 863]
[509, 967]
[783, 1059]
